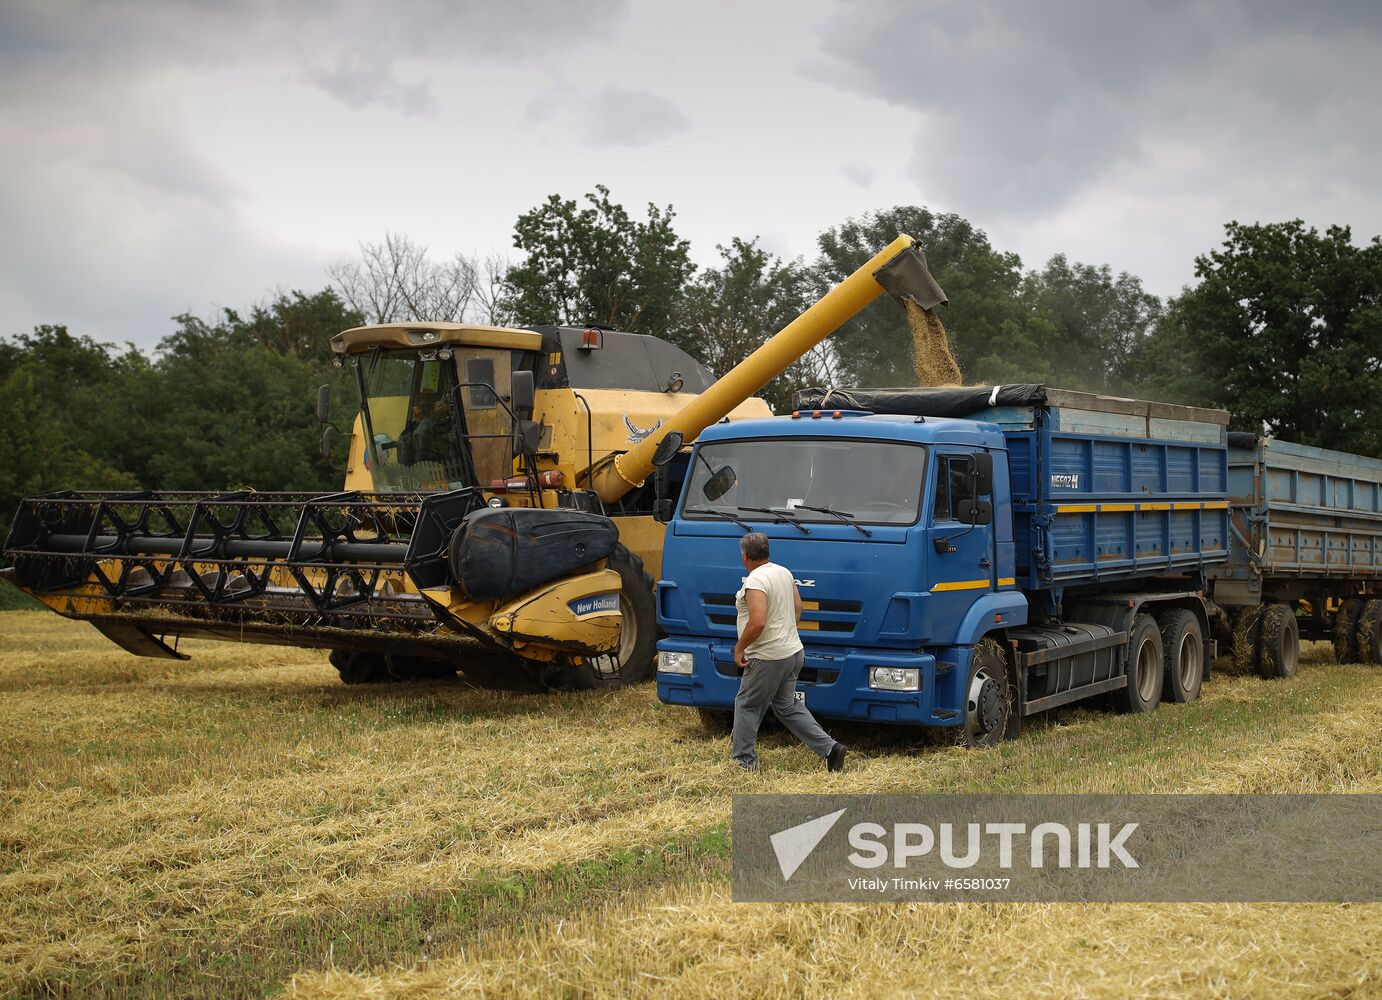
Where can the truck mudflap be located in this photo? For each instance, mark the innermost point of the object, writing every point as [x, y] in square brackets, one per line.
[328, 570]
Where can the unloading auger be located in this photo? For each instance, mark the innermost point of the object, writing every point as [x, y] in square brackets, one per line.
[497, 515]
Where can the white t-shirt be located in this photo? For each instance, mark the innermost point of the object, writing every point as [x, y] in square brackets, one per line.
[779, 638]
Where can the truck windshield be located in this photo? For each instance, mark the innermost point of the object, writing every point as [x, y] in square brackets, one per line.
[869, 482]
[416, 440]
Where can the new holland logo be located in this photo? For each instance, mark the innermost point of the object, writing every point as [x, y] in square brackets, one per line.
[593, 605]
[795, 844]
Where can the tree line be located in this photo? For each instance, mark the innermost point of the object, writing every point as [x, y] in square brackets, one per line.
[1282, 326]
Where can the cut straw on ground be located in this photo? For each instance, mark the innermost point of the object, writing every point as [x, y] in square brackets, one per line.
[221, 824]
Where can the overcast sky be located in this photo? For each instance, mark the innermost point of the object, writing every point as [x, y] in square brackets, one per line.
[162, 158]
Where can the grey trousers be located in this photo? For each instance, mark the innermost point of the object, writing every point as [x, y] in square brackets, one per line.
[773, 683]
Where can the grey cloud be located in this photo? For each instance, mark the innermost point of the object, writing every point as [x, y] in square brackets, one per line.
[858, 173]
[113, 215]
[351, 48]
[623, 116]
[1023, 106]
[359, 82]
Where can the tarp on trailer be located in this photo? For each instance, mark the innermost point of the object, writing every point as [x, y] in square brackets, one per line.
[958, 401]
[964, 401]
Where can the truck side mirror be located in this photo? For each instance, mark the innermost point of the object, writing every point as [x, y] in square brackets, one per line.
[667, 448]
[719, 484]
[662, 511]
[983, 473]
[974, 512]
[522, 393]
[323, 403]
[328, 439]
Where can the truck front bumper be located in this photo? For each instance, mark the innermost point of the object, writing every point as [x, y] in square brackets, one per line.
[834, 681]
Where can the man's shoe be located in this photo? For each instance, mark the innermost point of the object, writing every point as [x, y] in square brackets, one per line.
[835, 760]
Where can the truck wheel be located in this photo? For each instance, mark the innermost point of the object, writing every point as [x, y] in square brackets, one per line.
[716, 721]
[1367, 634]
[360, 668]
[1146, 668]
[1279, 646]
[989, 698]
[1345, 630]
[638, 644]
[1183, 640]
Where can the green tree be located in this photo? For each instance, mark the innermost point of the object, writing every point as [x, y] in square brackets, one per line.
[1285, 331]
[596, 264]
[292, 323]
[43, 447]
[240, 394]
[988, 325]
[732, 309]
[1090, 320]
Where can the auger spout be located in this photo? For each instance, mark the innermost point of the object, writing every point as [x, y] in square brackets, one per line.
[899, 269]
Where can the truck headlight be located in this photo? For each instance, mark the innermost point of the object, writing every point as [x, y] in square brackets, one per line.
[895, 678]
[675, 663]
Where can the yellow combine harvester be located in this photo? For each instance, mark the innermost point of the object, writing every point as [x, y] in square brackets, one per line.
[497, 514]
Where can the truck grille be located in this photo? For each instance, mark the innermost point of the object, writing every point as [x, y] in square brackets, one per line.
[818, 615]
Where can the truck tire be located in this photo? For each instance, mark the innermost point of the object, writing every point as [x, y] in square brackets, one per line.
[990, 698]
[1279, 645]
[1183, 640]
[1146, 668]
[716, 721]
[360, 668]
[637, 648]
[1345, 628]
[1367, 634]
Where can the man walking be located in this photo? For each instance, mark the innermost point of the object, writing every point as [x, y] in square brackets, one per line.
[770, 653]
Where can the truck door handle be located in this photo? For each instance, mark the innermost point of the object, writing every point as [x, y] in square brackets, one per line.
[985, 563]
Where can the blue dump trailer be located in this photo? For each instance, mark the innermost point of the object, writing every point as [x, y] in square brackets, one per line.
[967, 557]
[1305, 554]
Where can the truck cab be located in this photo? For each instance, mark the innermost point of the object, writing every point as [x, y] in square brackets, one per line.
[898, 531]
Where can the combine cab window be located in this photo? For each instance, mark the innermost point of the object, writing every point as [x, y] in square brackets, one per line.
[416, 441]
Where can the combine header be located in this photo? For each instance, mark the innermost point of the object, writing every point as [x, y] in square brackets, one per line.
[497, 516]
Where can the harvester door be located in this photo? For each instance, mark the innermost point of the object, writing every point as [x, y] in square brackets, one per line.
[487, 372]
[962, 556]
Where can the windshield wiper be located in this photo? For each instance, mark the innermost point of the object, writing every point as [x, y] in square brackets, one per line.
[779, 517]
[717, 513]
[839, 515]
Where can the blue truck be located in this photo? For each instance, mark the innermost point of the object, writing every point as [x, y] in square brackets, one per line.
[966, 557]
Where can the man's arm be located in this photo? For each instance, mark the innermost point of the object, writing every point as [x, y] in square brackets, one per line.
[796, 600]
[753, 628]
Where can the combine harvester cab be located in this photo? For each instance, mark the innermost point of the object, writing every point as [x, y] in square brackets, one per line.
[497, 512]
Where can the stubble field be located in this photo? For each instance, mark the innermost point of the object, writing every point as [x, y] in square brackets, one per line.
[243, 824]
